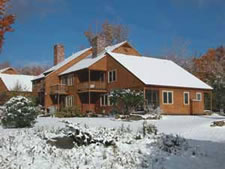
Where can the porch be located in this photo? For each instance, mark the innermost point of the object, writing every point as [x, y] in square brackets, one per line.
[91, 85]
[90, 101]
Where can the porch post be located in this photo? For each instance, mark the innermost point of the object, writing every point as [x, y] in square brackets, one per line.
[211, 101]
[89, 94]
[144, 99]
[58, 101]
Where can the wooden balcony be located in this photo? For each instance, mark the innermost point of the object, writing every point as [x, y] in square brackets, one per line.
[92, 86]
[60, 89]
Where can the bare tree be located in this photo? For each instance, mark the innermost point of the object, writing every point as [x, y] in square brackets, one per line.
[4, 65]
[32, 70]
[179, 53]
[113, 33]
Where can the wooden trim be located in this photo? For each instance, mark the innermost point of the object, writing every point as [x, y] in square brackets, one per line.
[92, 91]
[177, 87]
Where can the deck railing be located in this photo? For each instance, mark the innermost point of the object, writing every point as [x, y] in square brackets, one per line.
[92, 85]
[59, 89]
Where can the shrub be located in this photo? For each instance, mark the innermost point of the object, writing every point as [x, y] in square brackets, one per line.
[149, 129]
[18, 112]
[127, 100]
[69, 112]
[173, 144]
[218, 124]
[154, 113]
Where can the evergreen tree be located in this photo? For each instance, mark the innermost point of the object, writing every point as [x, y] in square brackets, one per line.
[18, 112]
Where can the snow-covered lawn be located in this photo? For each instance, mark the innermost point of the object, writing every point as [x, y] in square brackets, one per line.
[26, 148]
[191, 127]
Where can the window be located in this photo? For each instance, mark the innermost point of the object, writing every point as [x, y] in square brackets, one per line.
[198, 96]
[112, 76]
[167, 97]
[69, 101]
[64, 80]
[70, 80]
[152, 98]
[186, 98]
[67, 80]
[105, 100]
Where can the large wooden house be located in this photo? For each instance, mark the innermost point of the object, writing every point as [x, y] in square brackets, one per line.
[86, 78]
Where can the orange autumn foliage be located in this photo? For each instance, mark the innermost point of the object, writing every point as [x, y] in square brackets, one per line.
[6, 20]
[210, 64]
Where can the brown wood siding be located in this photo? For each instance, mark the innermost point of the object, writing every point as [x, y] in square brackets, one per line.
[127, 49]
[124, 78]
[4, 93]
[53, 78]
[101, 65]
[3, 88]
[178, 107]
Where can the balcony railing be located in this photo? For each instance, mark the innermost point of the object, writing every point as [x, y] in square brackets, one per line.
[93, 85]
[59, 89]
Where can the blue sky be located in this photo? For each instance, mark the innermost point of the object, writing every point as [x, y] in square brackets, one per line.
[155, 26]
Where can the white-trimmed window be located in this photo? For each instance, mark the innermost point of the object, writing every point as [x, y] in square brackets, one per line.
[69, 101]
[112, 76]
[70, 80]
[167, 97]
[64, 80]
[186, 98]
[198, 96]
[105, 100]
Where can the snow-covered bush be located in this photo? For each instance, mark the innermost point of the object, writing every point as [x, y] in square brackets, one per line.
[155, 113]
[127, 100]
[75, 135]
[18, 112]
[173, 144]
[149, 129]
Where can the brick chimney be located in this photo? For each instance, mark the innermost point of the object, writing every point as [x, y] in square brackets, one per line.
[58, 53]
[98, 45]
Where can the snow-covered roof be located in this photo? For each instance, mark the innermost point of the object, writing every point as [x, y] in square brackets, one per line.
[67, 60]
[83, 64]
[11, 81]
[39, 77]
[89, 60]
[160, 72]
[5, 69]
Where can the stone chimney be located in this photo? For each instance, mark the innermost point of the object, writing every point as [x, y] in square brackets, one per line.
[98, 45]
[58, 53]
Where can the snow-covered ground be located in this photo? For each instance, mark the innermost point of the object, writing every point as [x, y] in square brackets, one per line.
[191, 127]
[25, 148]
